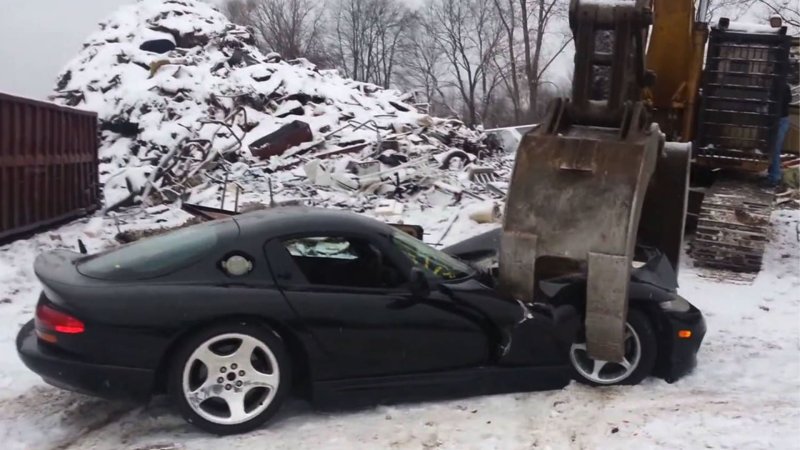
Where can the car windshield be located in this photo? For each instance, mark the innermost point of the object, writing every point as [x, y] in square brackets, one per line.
[440, 264]
[154, 256]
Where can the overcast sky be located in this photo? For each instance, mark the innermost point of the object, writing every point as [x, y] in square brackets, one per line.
[38, 37]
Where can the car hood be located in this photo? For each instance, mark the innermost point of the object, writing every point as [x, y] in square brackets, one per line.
[654, 268]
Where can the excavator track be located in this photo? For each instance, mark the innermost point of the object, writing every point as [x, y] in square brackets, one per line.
[732, 227]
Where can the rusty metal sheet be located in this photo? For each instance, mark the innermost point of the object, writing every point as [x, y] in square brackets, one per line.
[282, 139]
[48, 165]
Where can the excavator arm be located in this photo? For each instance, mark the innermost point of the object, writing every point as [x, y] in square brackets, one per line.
[676, 53]
[580, 180]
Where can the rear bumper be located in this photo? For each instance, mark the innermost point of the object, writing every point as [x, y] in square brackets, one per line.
[678, 356]
[68, 372]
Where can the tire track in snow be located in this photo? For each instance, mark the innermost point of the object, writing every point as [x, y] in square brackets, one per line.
[91, 428]
[45, 417]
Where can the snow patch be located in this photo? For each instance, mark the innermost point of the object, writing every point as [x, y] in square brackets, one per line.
[750, 28]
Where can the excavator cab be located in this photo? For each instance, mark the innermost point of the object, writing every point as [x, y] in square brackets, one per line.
[580, 182]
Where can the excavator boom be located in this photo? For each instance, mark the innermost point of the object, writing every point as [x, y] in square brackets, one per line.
[675, 54]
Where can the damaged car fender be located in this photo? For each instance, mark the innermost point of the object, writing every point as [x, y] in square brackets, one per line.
[543, 330]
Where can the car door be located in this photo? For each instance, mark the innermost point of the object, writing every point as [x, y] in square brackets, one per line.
[351, 293]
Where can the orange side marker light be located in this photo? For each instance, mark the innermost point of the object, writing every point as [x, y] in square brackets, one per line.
[685, 334]
[47, 337]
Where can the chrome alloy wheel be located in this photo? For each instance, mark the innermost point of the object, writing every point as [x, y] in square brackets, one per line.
[230, 378]
[608, 372]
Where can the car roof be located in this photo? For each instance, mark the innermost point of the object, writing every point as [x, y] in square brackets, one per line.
[285, 220]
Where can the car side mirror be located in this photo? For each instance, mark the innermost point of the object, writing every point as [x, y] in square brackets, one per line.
[418, 283]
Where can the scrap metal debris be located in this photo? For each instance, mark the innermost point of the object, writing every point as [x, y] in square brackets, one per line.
[189, 107]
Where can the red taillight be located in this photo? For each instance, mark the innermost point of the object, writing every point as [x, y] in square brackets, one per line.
[49, 318]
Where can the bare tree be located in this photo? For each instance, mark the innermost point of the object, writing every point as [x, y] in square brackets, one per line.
[238, 11]
[508, 12]
[367, 38]
[787, 10]
[469, 34]
[421, 67]
[293, 28]
[717, 8]
[537, 16]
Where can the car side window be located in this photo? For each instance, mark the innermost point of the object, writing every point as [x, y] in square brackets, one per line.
[321, 247]
[343, 261]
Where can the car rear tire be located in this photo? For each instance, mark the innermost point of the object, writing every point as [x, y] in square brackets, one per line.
[640, 356]
[230, 378]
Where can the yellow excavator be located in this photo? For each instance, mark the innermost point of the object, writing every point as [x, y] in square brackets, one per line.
[609, 168]
[727, 110]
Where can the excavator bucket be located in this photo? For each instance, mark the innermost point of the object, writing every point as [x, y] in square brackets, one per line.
[579, 181]
[579, 197]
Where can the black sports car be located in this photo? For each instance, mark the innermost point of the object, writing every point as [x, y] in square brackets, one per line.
[229, 317]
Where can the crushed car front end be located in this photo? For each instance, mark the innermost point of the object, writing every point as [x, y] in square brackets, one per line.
[681, 328]
[679, 325]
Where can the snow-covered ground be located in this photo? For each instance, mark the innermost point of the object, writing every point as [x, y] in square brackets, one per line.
[745, 392]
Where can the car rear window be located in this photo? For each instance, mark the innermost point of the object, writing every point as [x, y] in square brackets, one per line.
[154, 256]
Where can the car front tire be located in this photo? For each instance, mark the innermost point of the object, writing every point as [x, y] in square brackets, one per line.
[640, 356]
[230, 378]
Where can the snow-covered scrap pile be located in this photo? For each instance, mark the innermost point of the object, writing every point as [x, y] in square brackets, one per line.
[186, 101]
